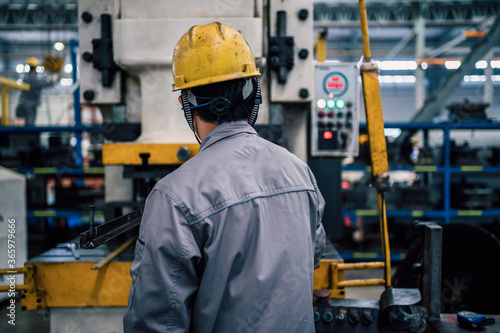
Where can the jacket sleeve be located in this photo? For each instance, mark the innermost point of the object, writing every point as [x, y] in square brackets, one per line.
[320, 240]
[164, 280]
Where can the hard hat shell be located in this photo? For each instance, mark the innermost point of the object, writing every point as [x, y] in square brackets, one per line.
[53, 63]
[33, 62]
[209, 54]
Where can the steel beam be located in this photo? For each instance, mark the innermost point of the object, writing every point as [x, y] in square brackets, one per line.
[488, 85]
[400, 13]
[433, 104]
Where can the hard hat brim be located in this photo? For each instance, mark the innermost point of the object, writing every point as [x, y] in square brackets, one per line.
[179, 83]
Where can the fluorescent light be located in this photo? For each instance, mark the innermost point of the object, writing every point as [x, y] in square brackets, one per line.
[397, 65]
[495, 64]
[481, 64]
[474, 78]
[452, 64]
[392, 132]
[424, 65]
[58, 46]
[68, 68]
[397, 79]
[20, 68]
[480, 78]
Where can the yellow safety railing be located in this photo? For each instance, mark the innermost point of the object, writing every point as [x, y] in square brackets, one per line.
[7, 84]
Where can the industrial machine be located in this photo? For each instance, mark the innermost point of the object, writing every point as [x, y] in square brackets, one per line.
[126, 70]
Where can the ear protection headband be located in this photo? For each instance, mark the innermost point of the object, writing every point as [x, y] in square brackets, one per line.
[219, 106]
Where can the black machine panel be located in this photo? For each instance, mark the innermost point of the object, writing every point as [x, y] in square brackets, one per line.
[346, 315]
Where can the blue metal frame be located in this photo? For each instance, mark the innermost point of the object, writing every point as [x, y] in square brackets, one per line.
[76, 102]
[35, 129]
[446, 169]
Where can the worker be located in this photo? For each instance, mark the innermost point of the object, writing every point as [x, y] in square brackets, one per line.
[228, 241]
[29, 101]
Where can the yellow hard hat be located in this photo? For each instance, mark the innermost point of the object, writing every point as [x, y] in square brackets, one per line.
[53, 63]
[33, 62]
[211, 53]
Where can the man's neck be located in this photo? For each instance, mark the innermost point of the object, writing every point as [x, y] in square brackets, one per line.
[202, 127]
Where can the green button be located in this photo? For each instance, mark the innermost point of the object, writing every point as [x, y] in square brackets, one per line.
[317, 317]
[330, 103]
[340, 104]
[328, 317]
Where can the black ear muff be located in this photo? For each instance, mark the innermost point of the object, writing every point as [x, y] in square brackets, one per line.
[187, 109]
[258, 100]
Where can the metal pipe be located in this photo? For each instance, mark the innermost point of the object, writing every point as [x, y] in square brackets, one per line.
[9, 271]
[364, 30]
[115, 253]
[384, 232]
[361, 283]
[20, 287]
[361, 265]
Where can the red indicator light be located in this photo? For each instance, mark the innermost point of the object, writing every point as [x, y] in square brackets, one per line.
[345, 185]
[335, 79]
[335, 85]
[327, 135]
[330, 95]
[347, 221]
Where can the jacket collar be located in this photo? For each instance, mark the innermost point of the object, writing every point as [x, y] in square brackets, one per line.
[226, 130]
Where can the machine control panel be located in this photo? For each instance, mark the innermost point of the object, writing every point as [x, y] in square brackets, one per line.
[335, 113]
[346, 315]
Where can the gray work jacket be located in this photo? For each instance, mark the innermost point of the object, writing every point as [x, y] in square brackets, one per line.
[228, 241]
[37, 82]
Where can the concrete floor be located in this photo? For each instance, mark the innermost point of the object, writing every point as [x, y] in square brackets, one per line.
[38, 321]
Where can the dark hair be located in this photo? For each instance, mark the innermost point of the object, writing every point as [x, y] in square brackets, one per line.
[237, 111]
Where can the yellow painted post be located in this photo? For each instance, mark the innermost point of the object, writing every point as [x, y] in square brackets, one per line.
[5, 106]
[376, 137]
[321, 45]
[6, 84]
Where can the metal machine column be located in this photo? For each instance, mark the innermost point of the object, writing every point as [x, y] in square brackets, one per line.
[419, 30]
[431, 295]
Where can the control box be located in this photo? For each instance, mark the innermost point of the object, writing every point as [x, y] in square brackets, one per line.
[335, 112]
[346, 315]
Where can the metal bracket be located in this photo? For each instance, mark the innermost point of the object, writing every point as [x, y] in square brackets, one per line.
[99, 235]
[102, 48]
[369, 65]
[281, 49]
